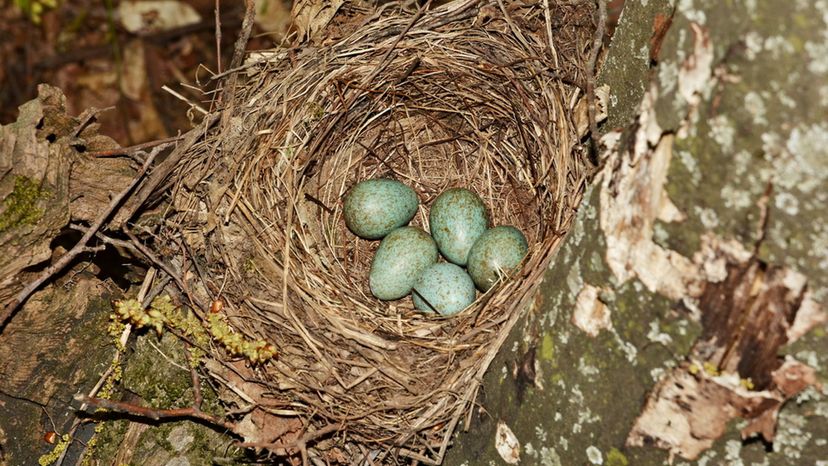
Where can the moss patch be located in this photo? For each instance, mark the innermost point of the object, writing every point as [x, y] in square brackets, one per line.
[20, 207]
[152, 372]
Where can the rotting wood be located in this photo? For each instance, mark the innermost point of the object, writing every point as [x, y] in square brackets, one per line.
[81, 246]
[47, 182]
[733, 370]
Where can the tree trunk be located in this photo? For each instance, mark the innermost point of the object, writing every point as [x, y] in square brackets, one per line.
[696, 262]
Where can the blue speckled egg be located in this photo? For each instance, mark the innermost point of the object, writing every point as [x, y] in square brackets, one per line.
[402, 256]
[374, 208]
[457, 218]
[499, 250]
[445, 288]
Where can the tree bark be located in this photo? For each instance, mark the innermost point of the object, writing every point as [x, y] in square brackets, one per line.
[697, 258]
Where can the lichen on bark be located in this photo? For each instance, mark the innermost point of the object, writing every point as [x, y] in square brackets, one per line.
[740, 140]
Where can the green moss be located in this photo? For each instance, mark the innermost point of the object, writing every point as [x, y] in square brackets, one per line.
[616, 458]
[107, 441]
[20, 206]
[151, 376]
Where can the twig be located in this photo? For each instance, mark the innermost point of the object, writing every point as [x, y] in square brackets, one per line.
[145, 251]
[244, 36]
[229, 87]
[90, 118]
[384, 60]
[408, 70]
[191, 412]
[319, 203]
[106, 239]
[218, 36]
[597, 42]
[133, 149]
[301, 444]
[197, 398]
[161, 172]
[187, 101]
[80, 247]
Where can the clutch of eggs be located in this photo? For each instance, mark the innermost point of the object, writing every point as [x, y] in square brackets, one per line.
[406, 259]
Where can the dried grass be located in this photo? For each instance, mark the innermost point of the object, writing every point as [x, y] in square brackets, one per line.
[472, 93]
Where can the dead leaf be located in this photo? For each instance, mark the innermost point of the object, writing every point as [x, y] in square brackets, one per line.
[258, 426]
[273, 16]
[134, 73]
[156, 15]
[311, 16]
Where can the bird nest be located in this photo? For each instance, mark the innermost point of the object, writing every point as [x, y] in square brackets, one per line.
[475, 94]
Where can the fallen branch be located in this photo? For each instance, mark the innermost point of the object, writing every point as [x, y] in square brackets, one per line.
[107, 239]
[192, 412]
[244, 36]
[132, 149]
[139, 246]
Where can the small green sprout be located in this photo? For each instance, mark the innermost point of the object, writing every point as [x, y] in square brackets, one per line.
[257, 351]
[131, 311]
[52, 456]
[163, 313]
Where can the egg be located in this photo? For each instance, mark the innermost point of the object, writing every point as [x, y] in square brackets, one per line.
[499, 250]
[374, 208]
[402, 256]
[457, 218]
[445, 288]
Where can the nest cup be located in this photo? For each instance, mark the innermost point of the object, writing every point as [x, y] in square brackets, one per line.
[470, 94]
